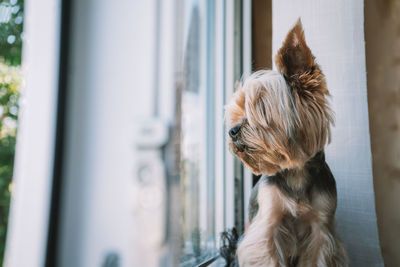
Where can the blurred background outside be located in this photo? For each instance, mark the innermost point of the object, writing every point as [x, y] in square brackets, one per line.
[11, 38]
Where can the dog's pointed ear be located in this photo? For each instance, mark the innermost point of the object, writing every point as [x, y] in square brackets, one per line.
[294, 57]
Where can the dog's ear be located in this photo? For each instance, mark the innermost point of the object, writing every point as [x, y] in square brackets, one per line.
[308, 87]
[294, 57]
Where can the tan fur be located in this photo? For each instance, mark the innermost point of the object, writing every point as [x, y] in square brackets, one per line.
[283, 126]
[270, 241]
[322, 247]
[284, 120]
[258, 248]
[265, 109]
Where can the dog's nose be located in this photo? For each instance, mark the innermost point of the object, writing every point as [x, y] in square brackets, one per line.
[234, 131]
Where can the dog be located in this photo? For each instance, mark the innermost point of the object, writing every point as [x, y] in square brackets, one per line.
[279, 122]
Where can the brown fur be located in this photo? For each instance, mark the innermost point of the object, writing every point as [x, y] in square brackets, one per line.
[284, 119]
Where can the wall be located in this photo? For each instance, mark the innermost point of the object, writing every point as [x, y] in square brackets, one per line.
[382, 34]
[261, 34]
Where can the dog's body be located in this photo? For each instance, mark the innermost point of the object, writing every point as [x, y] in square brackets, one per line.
[295, 223]
[279, 124]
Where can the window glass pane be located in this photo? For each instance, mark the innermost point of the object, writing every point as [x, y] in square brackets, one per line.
[197, 150]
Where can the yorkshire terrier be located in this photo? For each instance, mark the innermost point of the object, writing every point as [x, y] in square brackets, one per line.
[279, 123]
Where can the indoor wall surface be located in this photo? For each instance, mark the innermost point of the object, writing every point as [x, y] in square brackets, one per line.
[382, 35]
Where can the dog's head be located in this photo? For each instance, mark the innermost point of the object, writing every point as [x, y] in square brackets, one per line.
[279, 119]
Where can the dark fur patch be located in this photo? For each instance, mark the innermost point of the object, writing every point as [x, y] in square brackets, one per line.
[319, 177]
[228, 246]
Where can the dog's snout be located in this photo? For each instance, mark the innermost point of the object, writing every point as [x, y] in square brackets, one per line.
[234, 131]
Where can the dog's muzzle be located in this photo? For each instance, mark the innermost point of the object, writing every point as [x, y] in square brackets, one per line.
[234, 132]
[239, 146]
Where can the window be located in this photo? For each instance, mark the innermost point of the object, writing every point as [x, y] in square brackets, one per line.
[101, 204]
[197, 145]
[212, 182]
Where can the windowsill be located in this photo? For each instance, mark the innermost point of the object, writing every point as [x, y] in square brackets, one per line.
[219, 262]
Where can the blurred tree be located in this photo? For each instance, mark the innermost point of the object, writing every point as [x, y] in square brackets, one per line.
[10, 81]
[11, 26]
[11, 35]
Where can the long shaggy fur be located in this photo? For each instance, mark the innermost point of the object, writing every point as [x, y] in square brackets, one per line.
[270, 115]
[281, 122]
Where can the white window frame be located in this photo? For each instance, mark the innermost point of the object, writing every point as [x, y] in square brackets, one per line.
[247, 69]
[226, 57]
[33, 171]
[231, 58]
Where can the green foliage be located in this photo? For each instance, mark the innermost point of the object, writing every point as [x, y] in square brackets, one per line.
[10, 82]
[11, 26]
[11, 35]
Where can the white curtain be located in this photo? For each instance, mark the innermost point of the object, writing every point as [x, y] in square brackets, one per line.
[334, 31]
